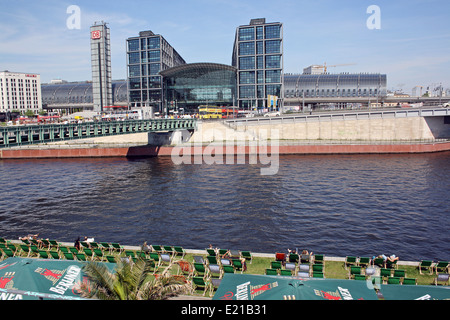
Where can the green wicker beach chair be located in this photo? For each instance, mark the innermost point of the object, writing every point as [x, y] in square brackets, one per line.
[179, 251]
[89, 253]
[201, 283]
[228, 269]
[68, 255]
[318, 275]
[393, 280]
[285, 272]
[98, 253]
[212, 259]
[117, 247]
[319, 258]
[111, 258]
[106, 247]
[54, 254]
[354, 270]
[8, 252]
[275, 264]
[247, 255]
[271, 272]
[157, 248]
[43, 254]
[441, 266]
[360, 277]
[409, 281]
[385, 273]
[169, 250]
[200, 269]
[350, 261]
[81, 256]
[364, 262]
[293, 257]
[25, 249]
[426, 264]
[400, 273]
[379, 262]
[237, 264]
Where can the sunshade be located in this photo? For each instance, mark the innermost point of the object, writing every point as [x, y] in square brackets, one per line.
[421, 292]
[261, 287]
[32, 279]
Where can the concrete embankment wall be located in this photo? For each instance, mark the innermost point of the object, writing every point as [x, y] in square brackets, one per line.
[283, 136]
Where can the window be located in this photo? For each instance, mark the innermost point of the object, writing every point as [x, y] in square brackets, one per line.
[259, 62]
[133, 45]
[273, 46]
[154, 82]
[246, 63]
[247, 77]
[274, 90]
[273, 62]
[273, 76]
[133, 57]
[134, 71]
[260, 47]
[259, 33]
[273, 31]
[246, 92]
[153, 43]
[135, 83]
[154, 56]
[154, 68]
[246, 34]
[246, 48]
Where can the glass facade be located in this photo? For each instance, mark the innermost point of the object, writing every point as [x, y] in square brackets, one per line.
[258, 57]
[191, 85]
[147, 55]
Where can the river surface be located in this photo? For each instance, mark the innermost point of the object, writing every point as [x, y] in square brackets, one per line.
[338, 205]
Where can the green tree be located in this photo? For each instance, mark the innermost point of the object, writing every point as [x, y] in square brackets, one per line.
[130, 281]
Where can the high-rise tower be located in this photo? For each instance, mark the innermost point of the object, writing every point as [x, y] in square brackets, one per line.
[258, 57]
[101, 66]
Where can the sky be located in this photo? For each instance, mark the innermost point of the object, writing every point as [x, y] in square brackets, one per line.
[407, 40]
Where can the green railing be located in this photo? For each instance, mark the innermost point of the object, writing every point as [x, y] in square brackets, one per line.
[24, 135]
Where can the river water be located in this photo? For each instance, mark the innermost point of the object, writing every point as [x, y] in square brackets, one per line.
[338, 205]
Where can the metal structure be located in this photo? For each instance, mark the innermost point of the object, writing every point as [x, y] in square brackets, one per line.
[36, 134]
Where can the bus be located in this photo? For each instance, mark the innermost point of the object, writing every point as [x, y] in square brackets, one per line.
[215, 112]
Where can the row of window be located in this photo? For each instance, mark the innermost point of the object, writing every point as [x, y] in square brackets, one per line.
[144, 57]
[144, 70]
[259, 47]
[259, 92]
[144, 44]
[260, 32]
[145, 83]
[260, 62]
[268, 76]
[332, 93]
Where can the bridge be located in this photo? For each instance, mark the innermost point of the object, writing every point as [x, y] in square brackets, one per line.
[343, 115]
[12, 136]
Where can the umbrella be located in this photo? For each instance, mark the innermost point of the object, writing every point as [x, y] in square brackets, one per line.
[31, 279]
[421, 292]
[261, 287]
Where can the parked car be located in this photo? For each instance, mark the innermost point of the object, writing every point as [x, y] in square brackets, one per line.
[272, 114]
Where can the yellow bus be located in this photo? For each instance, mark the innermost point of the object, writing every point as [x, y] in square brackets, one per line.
[206, 112]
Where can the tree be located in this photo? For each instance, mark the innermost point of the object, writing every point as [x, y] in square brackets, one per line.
[131, 281]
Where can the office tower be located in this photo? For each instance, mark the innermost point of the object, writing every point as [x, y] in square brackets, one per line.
[147, 55]
[101, 66]
[258, 57]
[20, 92]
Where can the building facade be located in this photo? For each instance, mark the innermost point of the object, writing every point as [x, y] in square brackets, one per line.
[190, 85]
[258, 58]
[101, 66]
[20, 92]
[73, 96]
[147, 56]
